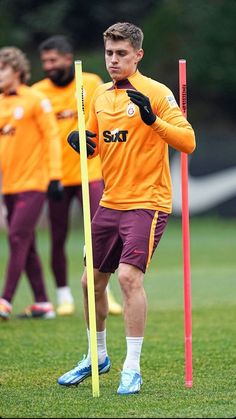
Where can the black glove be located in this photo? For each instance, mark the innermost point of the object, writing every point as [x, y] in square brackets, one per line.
[73, 140]
[144, 105]
[55, 190]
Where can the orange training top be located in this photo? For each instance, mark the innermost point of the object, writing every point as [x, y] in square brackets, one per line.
[30, 153]
[65, 107]
[134, 156]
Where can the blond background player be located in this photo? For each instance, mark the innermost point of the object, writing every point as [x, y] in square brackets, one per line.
[30, 157]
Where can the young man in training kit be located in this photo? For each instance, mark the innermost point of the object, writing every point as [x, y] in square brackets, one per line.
[30, 162]
[56, 55]
[133, 120]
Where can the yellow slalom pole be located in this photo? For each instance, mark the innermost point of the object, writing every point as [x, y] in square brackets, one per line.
[87, 227]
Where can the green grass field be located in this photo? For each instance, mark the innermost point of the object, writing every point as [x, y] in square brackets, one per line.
[34, 353]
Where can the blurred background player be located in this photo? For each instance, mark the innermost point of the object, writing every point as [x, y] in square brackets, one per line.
[57, 59]
[29, 158]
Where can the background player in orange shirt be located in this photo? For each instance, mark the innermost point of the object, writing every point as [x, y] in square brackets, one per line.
[58, 64]
[132, 121]
[30, 157]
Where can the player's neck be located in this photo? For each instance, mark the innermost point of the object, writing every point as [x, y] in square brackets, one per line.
[66, 79]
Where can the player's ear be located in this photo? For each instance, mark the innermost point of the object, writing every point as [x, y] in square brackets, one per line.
[139, 54]
[69, 58]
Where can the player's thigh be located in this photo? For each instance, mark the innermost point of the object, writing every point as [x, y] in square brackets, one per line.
[141, 231]
[27, 209]
[107, 244]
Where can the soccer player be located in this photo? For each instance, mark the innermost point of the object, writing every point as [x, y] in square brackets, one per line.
[133, 121]
[56, 55]
[30, 161]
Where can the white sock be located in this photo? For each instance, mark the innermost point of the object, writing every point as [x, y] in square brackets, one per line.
[101, 347]
[64, 295]
[134, 347]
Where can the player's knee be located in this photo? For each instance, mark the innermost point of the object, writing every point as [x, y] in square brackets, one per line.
[17, 238]
[130, 279]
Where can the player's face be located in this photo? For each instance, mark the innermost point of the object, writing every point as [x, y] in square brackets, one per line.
[121, 59]
[55, 65]
[9, 78]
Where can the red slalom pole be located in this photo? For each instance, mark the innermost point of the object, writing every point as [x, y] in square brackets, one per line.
[186, 235]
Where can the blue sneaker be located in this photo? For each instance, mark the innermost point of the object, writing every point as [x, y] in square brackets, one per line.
[82, 371]
[130, 382]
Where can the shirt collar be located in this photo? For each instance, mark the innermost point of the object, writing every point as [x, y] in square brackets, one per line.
[125, 83]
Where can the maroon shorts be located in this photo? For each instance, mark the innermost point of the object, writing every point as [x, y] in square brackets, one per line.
[126, 237]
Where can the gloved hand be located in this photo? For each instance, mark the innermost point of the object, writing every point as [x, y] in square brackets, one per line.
[144, 105]
[73, 140]
[55, 190]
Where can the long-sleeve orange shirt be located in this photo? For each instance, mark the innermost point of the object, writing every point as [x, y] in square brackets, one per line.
[30, 153]
[134, 156]
[65, 107]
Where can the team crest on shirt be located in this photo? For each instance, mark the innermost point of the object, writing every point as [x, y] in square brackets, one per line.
[130, 109]
[46, 105]
[18, 112]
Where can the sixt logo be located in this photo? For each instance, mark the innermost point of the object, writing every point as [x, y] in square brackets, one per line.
[66, 114]
[7, 130]
[115, 136]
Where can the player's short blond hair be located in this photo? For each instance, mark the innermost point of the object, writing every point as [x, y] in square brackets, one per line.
[125, 31]
[16, 59]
